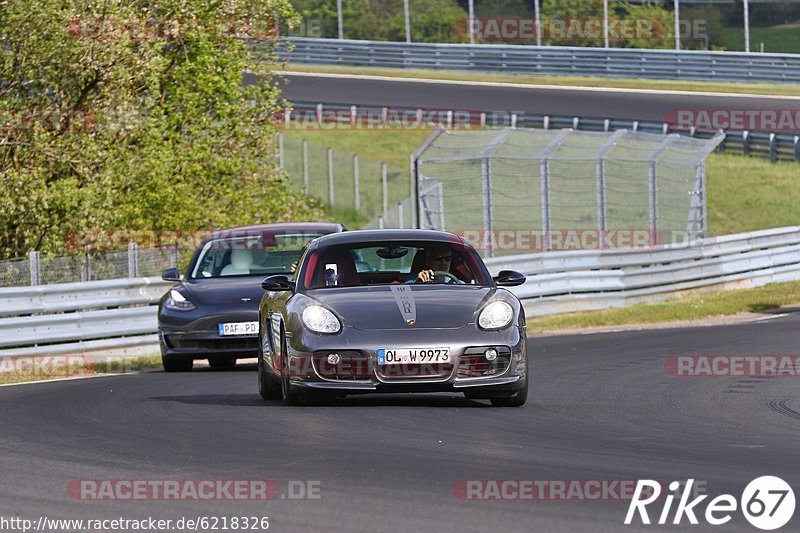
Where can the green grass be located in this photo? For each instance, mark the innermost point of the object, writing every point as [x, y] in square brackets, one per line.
[691, 307]
[748, 194]
[72, 367]
[587, 81]
[775, 39]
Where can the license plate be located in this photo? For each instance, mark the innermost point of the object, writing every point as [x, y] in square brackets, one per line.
[413, 356]
[238, 328]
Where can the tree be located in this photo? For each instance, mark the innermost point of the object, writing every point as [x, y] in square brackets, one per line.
[133, 115]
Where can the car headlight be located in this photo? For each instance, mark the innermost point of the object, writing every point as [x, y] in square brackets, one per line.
[178, 302]
[496, 315]
[320, 320]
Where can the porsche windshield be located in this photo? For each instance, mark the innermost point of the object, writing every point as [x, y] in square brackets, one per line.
[251, 255]
[391, 263]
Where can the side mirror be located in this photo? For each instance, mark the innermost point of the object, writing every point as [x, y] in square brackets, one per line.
[277, 282]
[171, 274]
[509, 278]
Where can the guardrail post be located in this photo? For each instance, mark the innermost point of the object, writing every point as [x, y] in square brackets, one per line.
[606, 125]
[133, 260]
[320, 109]
[576, 123]
[746, 142]
[797, 147]
[546, 122]
[514, 120]
[773, 147]
[175, 255]
[287, 118]
[33, 262]
[355, 182]
[353, 116]
[305, 166]
[330, 177]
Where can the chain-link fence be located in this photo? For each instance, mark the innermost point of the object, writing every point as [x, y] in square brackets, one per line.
[342, 180]
[131, 263]
[519, 191]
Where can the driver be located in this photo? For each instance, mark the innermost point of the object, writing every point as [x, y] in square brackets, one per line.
[437, 261]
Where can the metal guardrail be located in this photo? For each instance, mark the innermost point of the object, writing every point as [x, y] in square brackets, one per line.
[560, 282]
[767, 145]
[690, 65]
[112, 317]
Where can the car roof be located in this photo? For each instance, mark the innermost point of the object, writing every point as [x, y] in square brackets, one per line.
[383, 235]
[265, 229]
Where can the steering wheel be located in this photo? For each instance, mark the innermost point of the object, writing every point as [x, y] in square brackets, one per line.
[445, 276]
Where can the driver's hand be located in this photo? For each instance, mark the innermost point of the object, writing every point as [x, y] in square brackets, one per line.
[425, 276]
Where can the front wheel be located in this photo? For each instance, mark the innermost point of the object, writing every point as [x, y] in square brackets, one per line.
[518, 399]
[177, 365]
[265, 388]
[222, 362]
[289, 393]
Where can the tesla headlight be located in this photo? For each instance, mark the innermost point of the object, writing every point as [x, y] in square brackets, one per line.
[178, 302]
[496, 315]
[320, 320]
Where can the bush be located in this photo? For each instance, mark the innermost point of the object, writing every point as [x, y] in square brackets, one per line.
[134, 115]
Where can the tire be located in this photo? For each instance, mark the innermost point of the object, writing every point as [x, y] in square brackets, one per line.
[177, 365]
[265, 388]
[518, 399]
[222, 362]
[289, 393]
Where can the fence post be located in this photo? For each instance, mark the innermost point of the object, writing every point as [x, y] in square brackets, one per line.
[305, 166]
[385, 183]
[486, 189]
[746, 142]
[400, 224]
[330, 177]
[600, 167]
[33, 261]
[133, 260]
[355, 182]
[174, 256]
[380, 222]
[86, 271]
[280, 150]
[653, 197]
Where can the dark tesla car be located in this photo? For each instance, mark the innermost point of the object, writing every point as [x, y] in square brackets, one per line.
[392, 311]
[212, 313]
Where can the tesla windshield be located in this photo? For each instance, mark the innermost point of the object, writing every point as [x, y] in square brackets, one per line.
[251, 255]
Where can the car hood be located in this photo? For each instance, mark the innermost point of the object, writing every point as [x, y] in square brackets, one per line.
[224, 291]
[392, 307]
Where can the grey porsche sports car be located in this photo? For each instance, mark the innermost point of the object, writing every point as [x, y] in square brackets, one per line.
[212, 312]
[392, 311]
